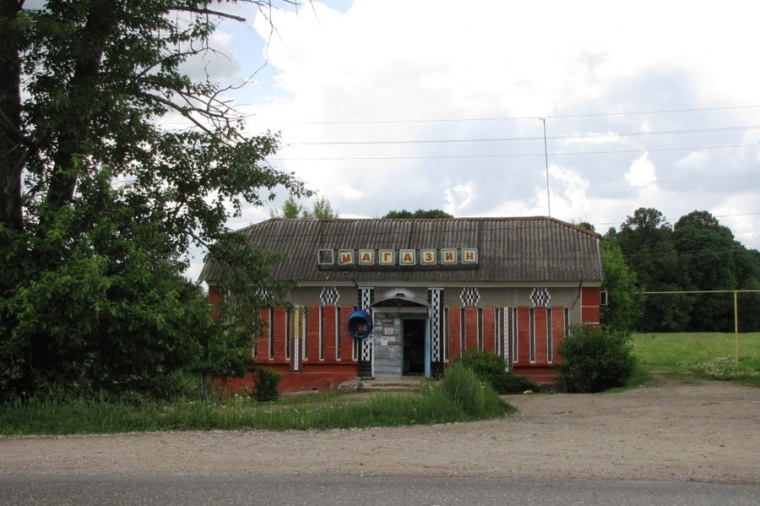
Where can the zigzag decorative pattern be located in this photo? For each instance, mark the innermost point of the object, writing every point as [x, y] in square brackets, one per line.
[470, 296]
[329, 296]
[540, 297]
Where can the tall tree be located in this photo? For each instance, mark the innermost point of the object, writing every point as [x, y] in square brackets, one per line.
[706, 258]
[647, 244]
[99, 204]
[623, 310]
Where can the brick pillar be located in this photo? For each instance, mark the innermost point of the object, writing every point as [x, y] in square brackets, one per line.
[471, 328]
[542, 336]
[455, 334]
[489, 329]
[558, 330]
[523, 335]
[262, 348]
[329, 335]
[313, 334]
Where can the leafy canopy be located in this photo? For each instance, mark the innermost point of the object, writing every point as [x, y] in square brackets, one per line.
[419, 213]
[99, 203]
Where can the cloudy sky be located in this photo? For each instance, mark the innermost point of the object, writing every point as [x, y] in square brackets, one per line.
[441, 104]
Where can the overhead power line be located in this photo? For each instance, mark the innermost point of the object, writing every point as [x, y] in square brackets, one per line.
[535, 138]
[520, 118]
[509, 155]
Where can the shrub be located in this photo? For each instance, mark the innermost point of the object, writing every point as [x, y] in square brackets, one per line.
[492, 368]
[266, 382]
[595, 359]
[463, 388]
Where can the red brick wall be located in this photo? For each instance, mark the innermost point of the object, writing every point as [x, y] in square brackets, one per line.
[558, 330]
[590, 298]
[329, 335]
[262, 349]
[471, 328]
[523, 335]
[541, 335]
[489, 329]
[313, 334]
[214, 295]
[455, 334]
[280, 334]
[346, 341]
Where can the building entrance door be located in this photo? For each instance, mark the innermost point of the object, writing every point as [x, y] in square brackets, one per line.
[414, 346]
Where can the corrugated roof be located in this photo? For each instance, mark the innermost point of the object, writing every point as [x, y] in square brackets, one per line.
[510, 250]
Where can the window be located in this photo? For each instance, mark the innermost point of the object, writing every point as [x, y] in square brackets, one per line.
[271, 333]
[549, 337]
[532, 334]
[515, 348]
[480, 329]
[305, 327]
[321, 333]
[444, 328]
[462, 327]
[288, 333]
[338, 332]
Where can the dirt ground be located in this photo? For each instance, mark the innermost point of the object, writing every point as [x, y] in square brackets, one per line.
[707, 432]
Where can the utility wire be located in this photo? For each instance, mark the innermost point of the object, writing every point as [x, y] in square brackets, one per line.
[512, 139]
[520, 118]
[510, 155]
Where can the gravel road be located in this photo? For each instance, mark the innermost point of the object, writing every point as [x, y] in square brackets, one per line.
[706, 432]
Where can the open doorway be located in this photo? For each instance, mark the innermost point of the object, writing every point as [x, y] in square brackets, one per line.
[414, 346]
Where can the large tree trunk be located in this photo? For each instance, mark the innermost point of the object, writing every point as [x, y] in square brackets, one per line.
[83, 87]
[13, 150]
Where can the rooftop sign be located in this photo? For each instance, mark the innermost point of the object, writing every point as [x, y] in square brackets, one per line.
[397, 257]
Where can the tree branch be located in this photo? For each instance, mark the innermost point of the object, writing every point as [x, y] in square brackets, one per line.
[207, 12]
[15, 131]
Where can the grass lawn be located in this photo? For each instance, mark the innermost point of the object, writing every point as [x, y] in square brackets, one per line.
[460, 397]
[699, 355]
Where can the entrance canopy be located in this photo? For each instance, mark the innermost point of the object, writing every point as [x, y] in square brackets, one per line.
[401, 300]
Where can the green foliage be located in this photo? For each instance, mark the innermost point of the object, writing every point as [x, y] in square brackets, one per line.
[419, 213]
[100, 204]
[434, 404]
[595, 359]
[705, 256]
[463, 387]
[266, 381]
[697, 254]
[321, 210]
[646, 242]
[623, 309]
[492, 368]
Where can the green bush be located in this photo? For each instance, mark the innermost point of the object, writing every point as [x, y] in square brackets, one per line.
[266, 382]
[462, 386]
[492, 368]
[594, 359]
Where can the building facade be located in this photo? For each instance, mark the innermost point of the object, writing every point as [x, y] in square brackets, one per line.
[388, 298]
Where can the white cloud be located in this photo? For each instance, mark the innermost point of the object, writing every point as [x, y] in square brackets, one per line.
[458, 197]
[642, 172]
[698, 160]
[348, 192]
[438, 70]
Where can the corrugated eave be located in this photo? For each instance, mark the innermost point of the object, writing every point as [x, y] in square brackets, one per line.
[511, 250]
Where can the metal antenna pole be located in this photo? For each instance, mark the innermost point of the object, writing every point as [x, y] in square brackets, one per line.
[546, 160]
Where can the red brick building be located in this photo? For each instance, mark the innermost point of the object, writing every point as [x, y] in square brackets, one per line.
[429, 290]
